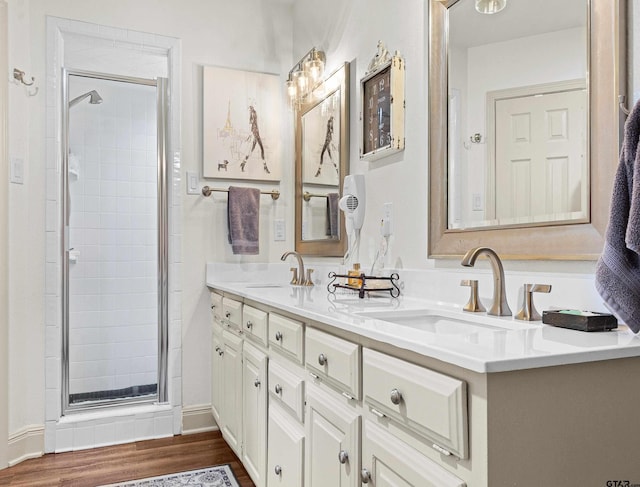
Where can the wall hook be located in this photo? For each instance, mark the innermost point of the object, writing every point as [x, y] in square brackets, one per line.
[19, 76]
[621, 103]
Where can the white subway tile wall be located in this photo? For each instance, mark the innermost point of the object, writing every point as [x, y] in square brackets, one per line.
[113, 301]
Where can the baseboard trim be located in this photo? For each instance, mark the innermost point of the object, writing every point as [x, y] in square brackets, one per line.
[25, 444]
[197, 419]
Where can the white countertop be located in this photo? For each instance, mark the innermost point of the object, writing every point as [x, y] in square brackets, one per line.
[482, 344]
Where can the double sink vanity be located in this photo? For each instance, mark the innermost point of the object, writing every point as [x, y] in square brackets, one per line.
[318, 389]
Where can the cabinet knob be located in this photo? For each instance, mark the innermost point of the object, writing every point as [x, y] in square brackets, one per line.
[396, 396]
[278, 336]
[278, 388]
[365, 476]
[322, 359]
[256, 382]
[228, 314]
[217, 349]
[221, 352]
[277, 469]
[249, 325]
[343, 456]
[213, 306]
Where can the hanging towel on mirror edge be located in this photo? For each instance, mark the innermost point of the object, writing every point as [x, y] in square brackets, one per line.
[243, 213]
[618, 268]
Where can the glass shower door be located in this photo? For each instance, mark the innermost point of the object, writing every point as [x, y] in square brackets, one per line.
[115, 229]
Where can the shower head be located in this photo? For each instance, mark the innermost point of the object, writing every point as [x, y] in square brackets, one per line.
[95, 98]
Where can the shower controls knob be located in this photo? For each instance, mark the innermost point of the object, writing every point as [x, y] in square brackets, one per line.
[278, 388]
[277, 469]
[256, 382]
[322, 359]
[396, 396]
[278, 336]
[249, 325]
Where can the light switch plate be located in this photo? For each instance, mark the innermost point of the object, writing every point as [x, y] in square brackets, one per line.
[192, 182]
[279, 231]
[17, 171]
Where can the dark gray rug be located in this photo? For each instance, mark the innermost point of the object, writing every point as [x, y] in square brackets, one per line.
[220, 476]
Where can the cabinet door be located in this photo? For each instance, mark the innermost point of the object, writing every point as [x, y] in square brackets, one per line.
[216, 376]
[333, 430]
[286, 447]
[231, 409]
[389, 462]
[254, 413]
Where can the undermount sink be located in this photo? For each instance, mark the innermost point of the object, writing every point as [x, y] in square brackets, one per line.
[264, 285]
[441, 321]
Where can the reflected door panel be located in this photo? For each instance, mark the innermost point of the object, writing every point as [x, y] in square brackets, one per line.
[540, 154]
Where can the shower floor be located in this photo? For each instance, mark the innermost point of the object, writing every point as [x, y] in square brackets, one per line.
[133, 391]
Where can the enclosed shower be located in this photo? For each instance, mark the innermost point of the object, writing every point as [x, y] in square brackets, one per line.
[114, 241]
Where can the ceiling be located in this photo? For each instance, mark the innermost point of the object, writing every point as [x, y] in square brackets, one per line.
[520, 18]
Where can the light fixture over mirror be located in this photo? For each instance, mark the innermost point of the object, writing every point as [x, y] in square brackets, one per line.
[305, 76]
[490, 6]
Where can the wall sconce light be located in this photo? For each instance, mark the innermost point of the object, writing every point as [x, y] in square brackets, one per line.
[305, 76]
[490, 6]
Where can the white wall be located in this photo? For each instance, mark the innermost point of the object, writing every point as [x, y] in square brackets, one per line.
[246, 34]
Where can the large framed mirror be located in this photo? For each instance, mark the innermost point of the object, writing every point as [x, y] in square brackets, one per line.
[523, 126]
[322, 161]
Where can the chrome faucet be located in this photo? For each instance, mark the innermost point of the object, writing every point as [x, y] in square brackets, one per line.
[299, 277]
[500, 307]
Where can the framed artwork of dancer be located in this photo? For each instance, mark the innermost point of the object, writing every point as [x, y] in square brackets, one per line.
[241, 124]
[322, 161]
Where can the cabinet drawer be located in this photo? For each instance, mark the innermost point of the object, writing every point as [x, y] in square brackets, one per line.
[216, 306]
[232, 312]
[334, 360]
[432, 404]
[287, 388]
[286, 336]
[254, 322]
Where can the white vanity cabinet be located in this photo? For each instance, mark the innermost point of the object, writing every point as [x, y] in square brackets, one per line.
[231, 394]
[254, 412]
[332, 440]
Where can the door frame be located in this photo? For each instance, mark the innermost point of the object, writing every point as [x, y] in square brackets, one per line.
[497, 95]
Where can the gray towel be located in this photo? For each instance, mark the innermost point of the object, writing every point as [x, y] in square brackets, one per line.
[618, 269]
[243, 211]
[332, 215]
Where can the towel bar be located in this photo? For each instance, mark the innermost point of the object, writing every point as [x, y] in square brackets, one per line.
[206, 191]
[307, 196]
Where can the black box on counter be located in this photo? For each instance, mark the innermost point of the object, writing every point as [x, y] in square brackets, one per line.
[580, 320]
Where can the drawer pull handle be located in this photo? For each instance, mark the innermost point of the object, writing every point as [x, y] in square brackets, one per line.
[343, 456]
[228, 314]
[322, 359]
[396, 396]
[278, 389]
[278, 469]
[249, 325]
[256, 382]
[365, 476]
[278, 336]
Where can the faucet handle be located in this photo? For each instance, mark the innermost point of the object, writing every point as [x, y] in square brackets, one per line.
[294, 279]
[309, 280]
[473, 305]
[528, 311]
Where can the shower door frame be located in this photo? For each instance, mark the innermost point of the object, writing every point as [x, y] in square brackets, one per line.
[162, 133]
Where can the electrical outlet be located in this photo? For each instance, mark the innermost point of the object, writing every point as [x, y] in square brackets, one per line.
[387, 220]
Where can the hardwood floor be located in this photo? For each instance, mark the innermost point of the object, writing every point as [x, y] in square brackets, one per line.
[90, 468]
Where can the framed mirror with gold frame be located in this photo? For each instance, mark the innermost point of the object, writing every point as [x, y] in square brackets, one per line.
[322, 161]
[549, 240]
